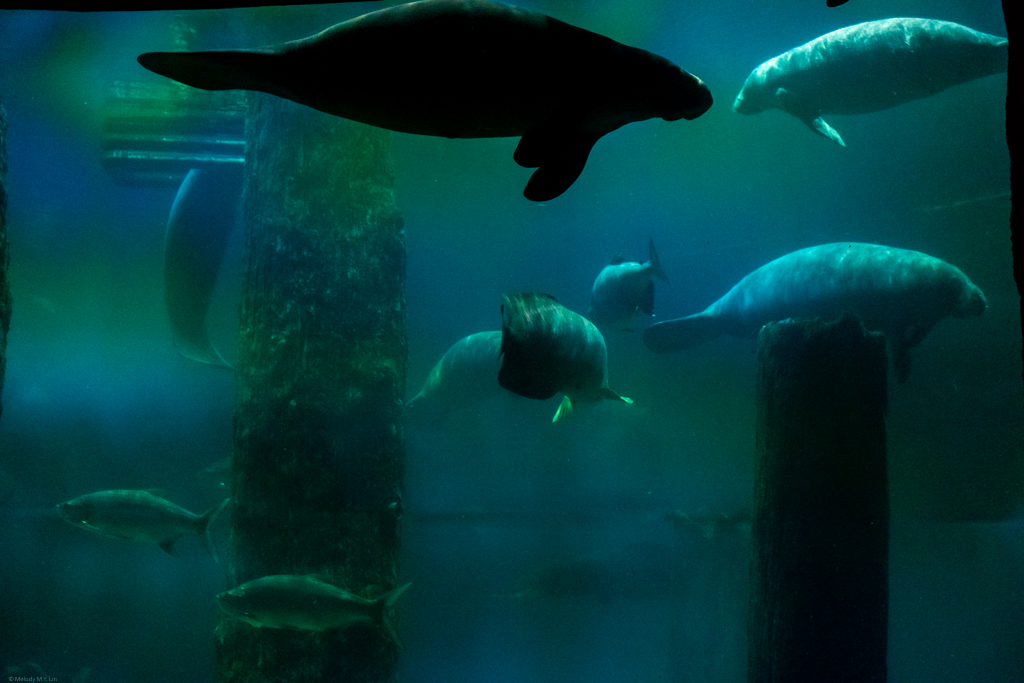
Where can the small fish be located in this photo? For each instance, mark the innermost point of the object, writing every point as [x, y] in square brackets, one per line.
[307, 603]
[624, 289]
[216, 475]
[139, 516]
[708, 524]
[547, 349]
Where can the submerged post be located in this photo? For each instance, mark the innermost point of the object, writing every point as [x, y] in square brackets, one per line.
[5, 286]
[317, 465]
[819, 572]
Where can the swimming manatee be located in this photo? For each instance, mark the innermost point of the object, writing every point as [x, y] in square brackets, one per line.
[869, 67]
[547, 349]
[198, 229]
[900, 292]
[467, 372]
[625, 289]
[463, 69]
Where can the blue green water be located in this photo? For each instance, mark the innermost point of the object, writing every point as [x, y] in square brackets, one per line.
[537, 551]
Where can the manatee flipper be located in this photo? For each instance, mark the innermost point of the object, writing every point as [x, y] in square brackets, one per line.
[559, 151]
[791, 104]
[682, 333]
[198, 228]
[564, 409]
[819, 126]
[900, 343]
[612, 396]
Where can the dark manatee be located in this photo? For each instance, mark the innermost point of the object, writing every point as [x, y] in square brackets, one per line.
[198, 228]
[625, 289]
[900, 292]
[546, 349]
[869, 67]
[463, 69]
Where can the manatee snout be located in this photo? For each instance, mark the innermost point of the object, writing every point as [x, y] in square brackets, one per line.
[972, 302]
[700, 103]
[745, 105]
[687, 96]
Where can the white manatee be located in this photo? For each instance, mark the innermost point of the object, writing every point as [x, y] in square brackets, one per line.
[897, 291]
[625, 289]
[467, 371]
[869, 67]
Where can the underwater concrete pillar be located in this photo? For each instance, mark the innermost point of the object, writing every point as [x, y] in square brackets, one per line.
[318, 436]
[5, 286]
[819, 589]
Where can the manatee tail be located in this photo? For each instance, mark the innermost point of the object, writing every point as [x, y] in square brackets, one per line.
[204, 523]
[384, 606]
[682, 333]
[655, 263]
[214, 70]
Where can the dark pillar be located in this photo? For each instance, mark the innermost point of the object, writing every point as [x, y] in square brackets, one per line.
[5, 286]
[819, 572]
[317, 467]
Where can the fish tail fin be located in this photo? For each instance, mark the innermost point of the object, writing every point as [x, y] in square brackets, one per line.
[204, 527]
[655, 262]
[682, 333]
[211, 70]
[385, 604]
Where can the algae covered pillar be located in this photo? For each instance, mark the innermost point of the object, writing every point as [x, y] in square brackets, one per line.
[5, 286]
[820, 537]
[317, 464]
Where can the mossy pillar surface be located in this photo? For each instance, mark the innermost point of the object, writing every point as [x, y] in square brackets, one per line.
[317, 467]
[820, 538]
[5, 286]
